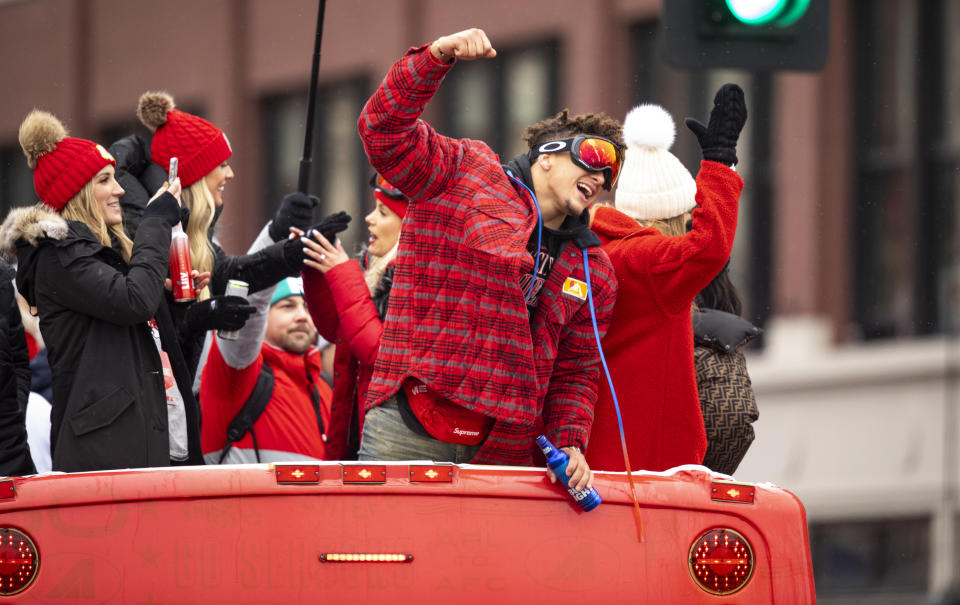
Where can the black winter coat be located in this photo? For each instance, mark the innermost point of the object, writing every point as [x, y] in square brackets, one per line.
[109, 403]
[14, 382]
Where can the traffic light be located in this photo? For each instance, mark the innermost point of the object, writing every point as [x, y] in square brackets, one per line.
[758, 35]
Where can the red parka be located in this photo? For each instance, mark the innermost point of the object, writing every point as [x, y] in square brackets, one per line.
[649, 346]
[343, 312]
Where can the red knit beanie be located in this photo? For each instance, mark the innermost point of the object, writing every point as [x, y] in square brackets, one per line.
[389, 196]
[61, 165]
[398, 206]
[199, 145]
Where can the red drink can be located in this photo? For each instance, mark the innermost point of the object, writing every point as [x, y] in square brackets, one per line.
[181, 267]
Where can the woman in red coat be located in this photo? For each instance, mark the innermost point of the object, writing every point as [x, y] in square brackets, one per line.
[660, 269]
[348, 304]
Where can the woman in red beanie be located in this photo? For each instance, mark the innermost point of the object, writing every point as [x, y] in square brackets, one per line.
[348, 304]
[121, 390]
[203, 153]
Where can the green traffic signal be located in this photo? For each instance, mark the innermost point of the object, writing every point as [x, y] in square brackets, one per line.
[776, 13]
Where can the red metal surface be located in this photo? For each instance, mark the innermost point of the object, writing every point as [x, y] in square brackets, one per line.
[234, 534]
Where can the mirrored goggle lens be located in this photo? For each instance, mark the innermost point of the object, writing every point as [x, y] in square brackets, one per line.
[600, 154]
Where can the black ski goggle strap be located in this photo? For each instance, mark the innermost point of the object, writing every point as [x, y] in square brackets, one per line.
[592, 153]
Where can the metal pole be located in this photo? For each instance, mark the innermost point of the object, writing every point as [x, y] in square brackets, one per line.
[303, 182]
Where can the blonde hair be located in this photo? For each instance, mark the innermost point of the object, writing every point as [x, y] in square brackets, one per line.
[673, 226]
[202, 208]
[84, 208]
[377, 265]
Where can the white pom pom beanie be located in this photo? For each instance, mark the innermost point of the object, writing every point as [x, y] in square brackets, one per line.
[653, 183]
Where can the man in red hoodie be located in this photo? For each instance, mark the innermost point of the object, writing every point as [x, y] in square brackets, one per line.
[280, 334]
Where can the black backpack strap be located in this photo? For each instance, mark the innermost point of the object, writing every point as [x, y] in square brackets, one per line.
[251, 410]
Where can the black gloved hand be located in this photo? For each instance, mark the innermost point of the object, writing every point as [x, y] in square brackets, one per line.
[296, 210]
[718, 139]
[165, 207]
[217, 313]
[330, 226]
[292, 253]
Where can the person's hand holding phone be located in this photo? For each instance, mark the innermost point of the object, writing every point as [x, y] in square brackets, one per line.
[173, 179]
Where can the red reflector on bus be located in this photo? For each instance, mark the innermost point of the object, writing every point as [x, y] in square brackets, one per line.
[297, 473]
[721, 561]
[18, 561]
[7, 490]
[365, 557]
[431, 474]
[375, 473]
[725, 491]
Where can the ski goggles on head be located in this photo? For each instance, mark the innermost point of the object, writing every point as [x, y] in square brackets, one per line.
[589, 152]
[380, 184]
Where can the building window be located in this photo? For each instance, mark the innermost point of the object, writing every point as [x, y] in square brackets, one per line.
[339, 169]
[494, 101]
[907, 159]
[889, 557]
[690, 93]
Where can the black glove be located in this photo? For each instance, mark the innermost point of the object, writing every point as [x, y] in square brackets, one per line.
[296, 210]
[292, 252]
[330, 226]
[217, 313]
[164, 207]
[718, 139]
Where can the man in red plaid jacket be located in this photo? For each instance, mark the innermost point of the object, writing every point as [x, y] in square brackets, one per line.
[470, 317]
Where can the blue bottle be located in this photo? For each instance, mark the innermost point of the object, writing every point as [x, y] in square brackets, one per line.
[557, 460]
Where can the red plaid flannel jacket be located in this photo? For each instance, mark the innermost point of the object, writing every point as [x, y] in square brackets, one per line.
[457, 318]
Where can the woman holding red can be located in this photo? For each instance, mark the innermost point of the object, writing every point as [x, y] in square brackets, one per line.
[202, 152]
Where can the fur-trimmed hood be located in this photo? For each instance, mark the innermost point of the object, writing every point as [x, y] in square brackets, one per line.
[22, 233]
[30, 225]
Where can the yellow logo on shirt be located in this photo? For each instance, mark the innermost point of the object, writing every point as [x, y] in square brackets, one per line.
[575, 288]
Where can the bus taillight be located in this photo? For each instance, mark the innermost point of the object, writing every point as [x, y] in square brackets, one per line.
[18, 561]
[721, 561]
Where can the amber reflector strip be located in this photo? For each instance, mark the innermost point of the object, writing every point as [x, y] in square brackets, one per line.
[723, 491]
[365, 557]
[18, 561]
[431, 474]
[376, 473]
[721, 561]
[297, 473]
